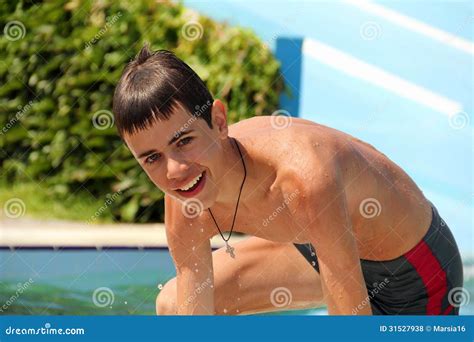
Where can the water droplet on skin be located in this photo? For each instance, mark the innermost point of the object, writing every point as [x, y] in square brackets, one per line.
[196, 270]
[195, 264]
[202, 230]
[237, 310]
[225, 310]
[194, 248]
[238, 298]
[313, 263]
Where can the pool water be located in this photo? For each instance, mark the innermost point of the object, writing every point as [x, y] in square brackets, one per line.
[103, 282]
[63, 281]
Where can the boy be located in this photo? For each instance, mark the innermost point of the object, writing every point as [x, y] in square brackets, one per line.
[331, 220]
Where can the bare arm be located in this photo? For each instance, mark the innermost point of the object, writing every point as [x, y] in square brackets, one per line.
[331, 233]
[192, 255]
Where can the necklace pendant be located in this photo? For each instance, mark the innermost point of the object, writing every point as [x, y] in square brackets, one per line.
[229, 249]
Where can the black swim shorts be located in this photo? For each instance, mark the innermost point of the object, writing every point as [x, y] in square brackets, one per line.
[424, 281]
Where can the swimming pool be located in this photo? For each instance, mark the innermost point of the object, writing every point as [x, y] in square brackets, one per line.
[116, 281]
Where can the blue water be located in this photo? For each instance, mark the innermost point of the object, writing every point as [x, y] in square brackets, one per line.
[63, 282]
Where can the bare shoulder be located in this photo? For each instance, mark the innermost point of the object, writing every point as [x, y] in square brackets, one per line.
[302, 151]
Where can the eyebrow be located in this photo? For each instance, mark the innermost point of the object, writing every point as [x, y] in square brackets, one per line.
[175, 137]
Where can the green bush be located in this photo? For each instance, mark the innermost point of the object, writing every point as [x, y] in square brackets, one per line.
[60, 63]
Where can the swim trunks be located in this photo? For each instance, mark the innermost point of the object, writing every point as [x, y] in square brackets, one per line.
[426, 280]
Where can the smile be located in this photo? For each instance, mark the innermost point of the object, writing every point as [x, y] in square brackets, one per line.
[191, 183]
[194, 186]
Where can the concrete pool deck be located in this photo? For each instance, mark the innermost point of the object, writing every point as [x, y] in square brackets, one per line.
[25, 232]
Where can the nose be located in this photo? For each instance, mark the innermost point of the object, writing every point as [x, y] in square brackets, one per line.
[175, 168]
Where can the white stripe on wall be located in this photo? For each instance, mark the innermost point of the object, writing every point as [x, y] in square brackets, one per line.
[419, 26]
[359, 69]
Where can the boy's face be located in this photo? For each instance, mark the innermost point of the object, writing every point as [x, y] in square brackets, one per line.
[182, 156]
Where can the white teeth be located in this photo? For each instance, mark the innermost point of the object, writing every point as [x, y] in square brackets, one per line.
[191, 183]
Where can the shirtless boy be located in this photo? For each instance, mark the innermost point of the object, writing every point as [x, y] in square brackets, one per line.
[331, 220]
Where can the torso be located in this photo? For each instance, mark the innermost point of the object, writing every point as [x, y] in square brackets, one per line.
[289, 160]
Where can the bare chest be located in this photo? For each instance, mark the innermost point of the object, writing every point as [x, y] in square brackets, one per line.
[275, 218]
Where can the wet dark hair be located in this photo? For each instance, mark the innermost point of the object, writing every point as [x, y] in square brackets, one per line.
[153, 85]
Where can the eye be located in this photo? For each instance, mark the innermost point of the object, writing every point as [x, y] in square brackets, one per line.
[152, 158]
[184, 141]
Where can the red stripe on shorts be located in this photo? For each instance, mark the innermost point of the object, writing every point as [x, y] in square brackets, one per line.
[432, 275]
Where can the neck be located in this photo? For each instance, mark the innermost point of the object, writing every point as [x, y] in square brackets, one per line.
[232, 175]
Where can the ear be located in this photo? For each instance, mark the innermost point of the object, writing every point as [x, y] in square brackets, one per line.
[219, 118]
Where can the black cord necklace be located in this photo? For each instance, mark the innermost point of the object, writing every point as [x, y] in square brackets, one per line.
[228, 248]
